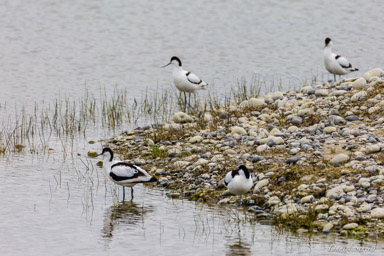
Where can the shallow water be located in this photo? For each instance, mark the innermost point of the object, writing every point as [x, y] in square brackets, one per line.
[60, 202]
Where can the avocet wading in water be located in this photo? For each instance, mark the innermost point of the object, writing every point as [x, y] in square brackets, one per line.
[336, 64]
[238, 181]
[185, 81]
[124, 174]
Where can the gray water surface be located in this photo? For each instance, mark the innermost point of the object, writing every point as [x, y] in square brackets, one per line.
[59, 203]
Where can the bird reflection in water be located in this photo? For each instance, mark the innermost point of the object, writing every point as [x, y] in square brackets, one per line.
[124, 215]
[238, 245]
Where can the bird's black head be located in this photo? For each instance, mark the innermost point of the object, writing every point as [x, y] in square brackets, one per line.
[174, 58]
[245, 170]
[107, 150]
[327, 41]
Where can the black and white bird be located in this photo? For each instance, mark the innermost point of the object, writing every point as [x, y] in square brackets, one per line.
[185, 81]
[124, 174]
[238, 181]
[336, 64]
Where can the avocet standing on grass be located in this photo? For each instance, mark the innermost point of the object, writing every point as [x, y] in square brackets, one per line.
[124, 174]
[239, 181]
[336, 64]
[185, 81]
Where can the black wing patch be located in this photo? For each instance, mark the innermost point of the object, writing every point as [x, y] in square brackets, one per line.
[337, 56]
[124, 164]
[234, 173]
[187, 74]
[121, 178]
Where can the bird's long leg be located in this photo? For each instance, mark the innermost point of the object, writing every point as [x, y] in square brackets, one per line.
[240, 201]
[185, 102]
[189, 101]
[123, 193]
[131, 193]
[334, 76]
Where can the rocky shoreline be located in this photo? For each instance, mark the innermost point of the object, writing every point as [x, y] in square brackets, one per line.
[317, 155]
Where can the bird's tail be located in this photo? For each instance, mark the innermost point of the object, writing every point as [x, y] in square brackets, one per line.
[354, 69]
[203, 85]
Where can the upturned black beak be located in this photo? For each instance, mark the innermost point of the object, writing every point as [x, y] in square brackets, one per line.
[166, 65]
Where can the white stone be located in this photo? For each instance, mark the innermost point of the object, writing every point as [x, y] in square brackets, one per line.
[336, 191]
[372, 149]
[274, 131]
[292, 128]
[290, 208]
[306, 89]
[349, 188]
[359, 83]
[338, 93]
[278, 140]
[377, 213]
[274, 200]
[359, 96]
[340, 158]
[330, 129]
[254, 103]
[230, 152]
[321, 92]
[327, 227]
[181, 164]
[307, 199]
[321, 208]
[350, 226]
[376, 72]
[277, 95]
[261, 184]
[261, 148]
[305, 112]
[201, 161]
[196, 139]
[364, 208]
[238, 130]
[181, 117]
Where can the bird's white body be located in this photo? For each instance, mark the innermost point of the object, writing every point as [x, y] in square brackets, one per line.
[186, 81]
[336, 64]
[239, 181]
[124, 174]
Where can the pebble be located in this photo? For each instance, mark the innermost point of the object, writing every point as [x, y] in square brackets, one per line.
[327, 228]
[330, 129]
[260, 185]
[359, 83]
[350, 226]
[321, 92]
[376, 72]
[196, 139]
[377, 213]
[340, 158]
[372, 149]
[297, 120]
[254, 103]
[238, 130]
[181, 117]
[307, 199]
[274, 200]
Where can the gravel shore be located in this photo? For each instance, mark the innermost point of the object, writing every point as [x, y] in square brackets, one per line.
[316, 154]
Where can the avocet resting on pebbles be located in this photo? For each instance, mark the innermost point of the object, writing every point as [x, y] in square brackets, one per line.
[185, 81]
[239, 181]
[124, 174]
[336, 64]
